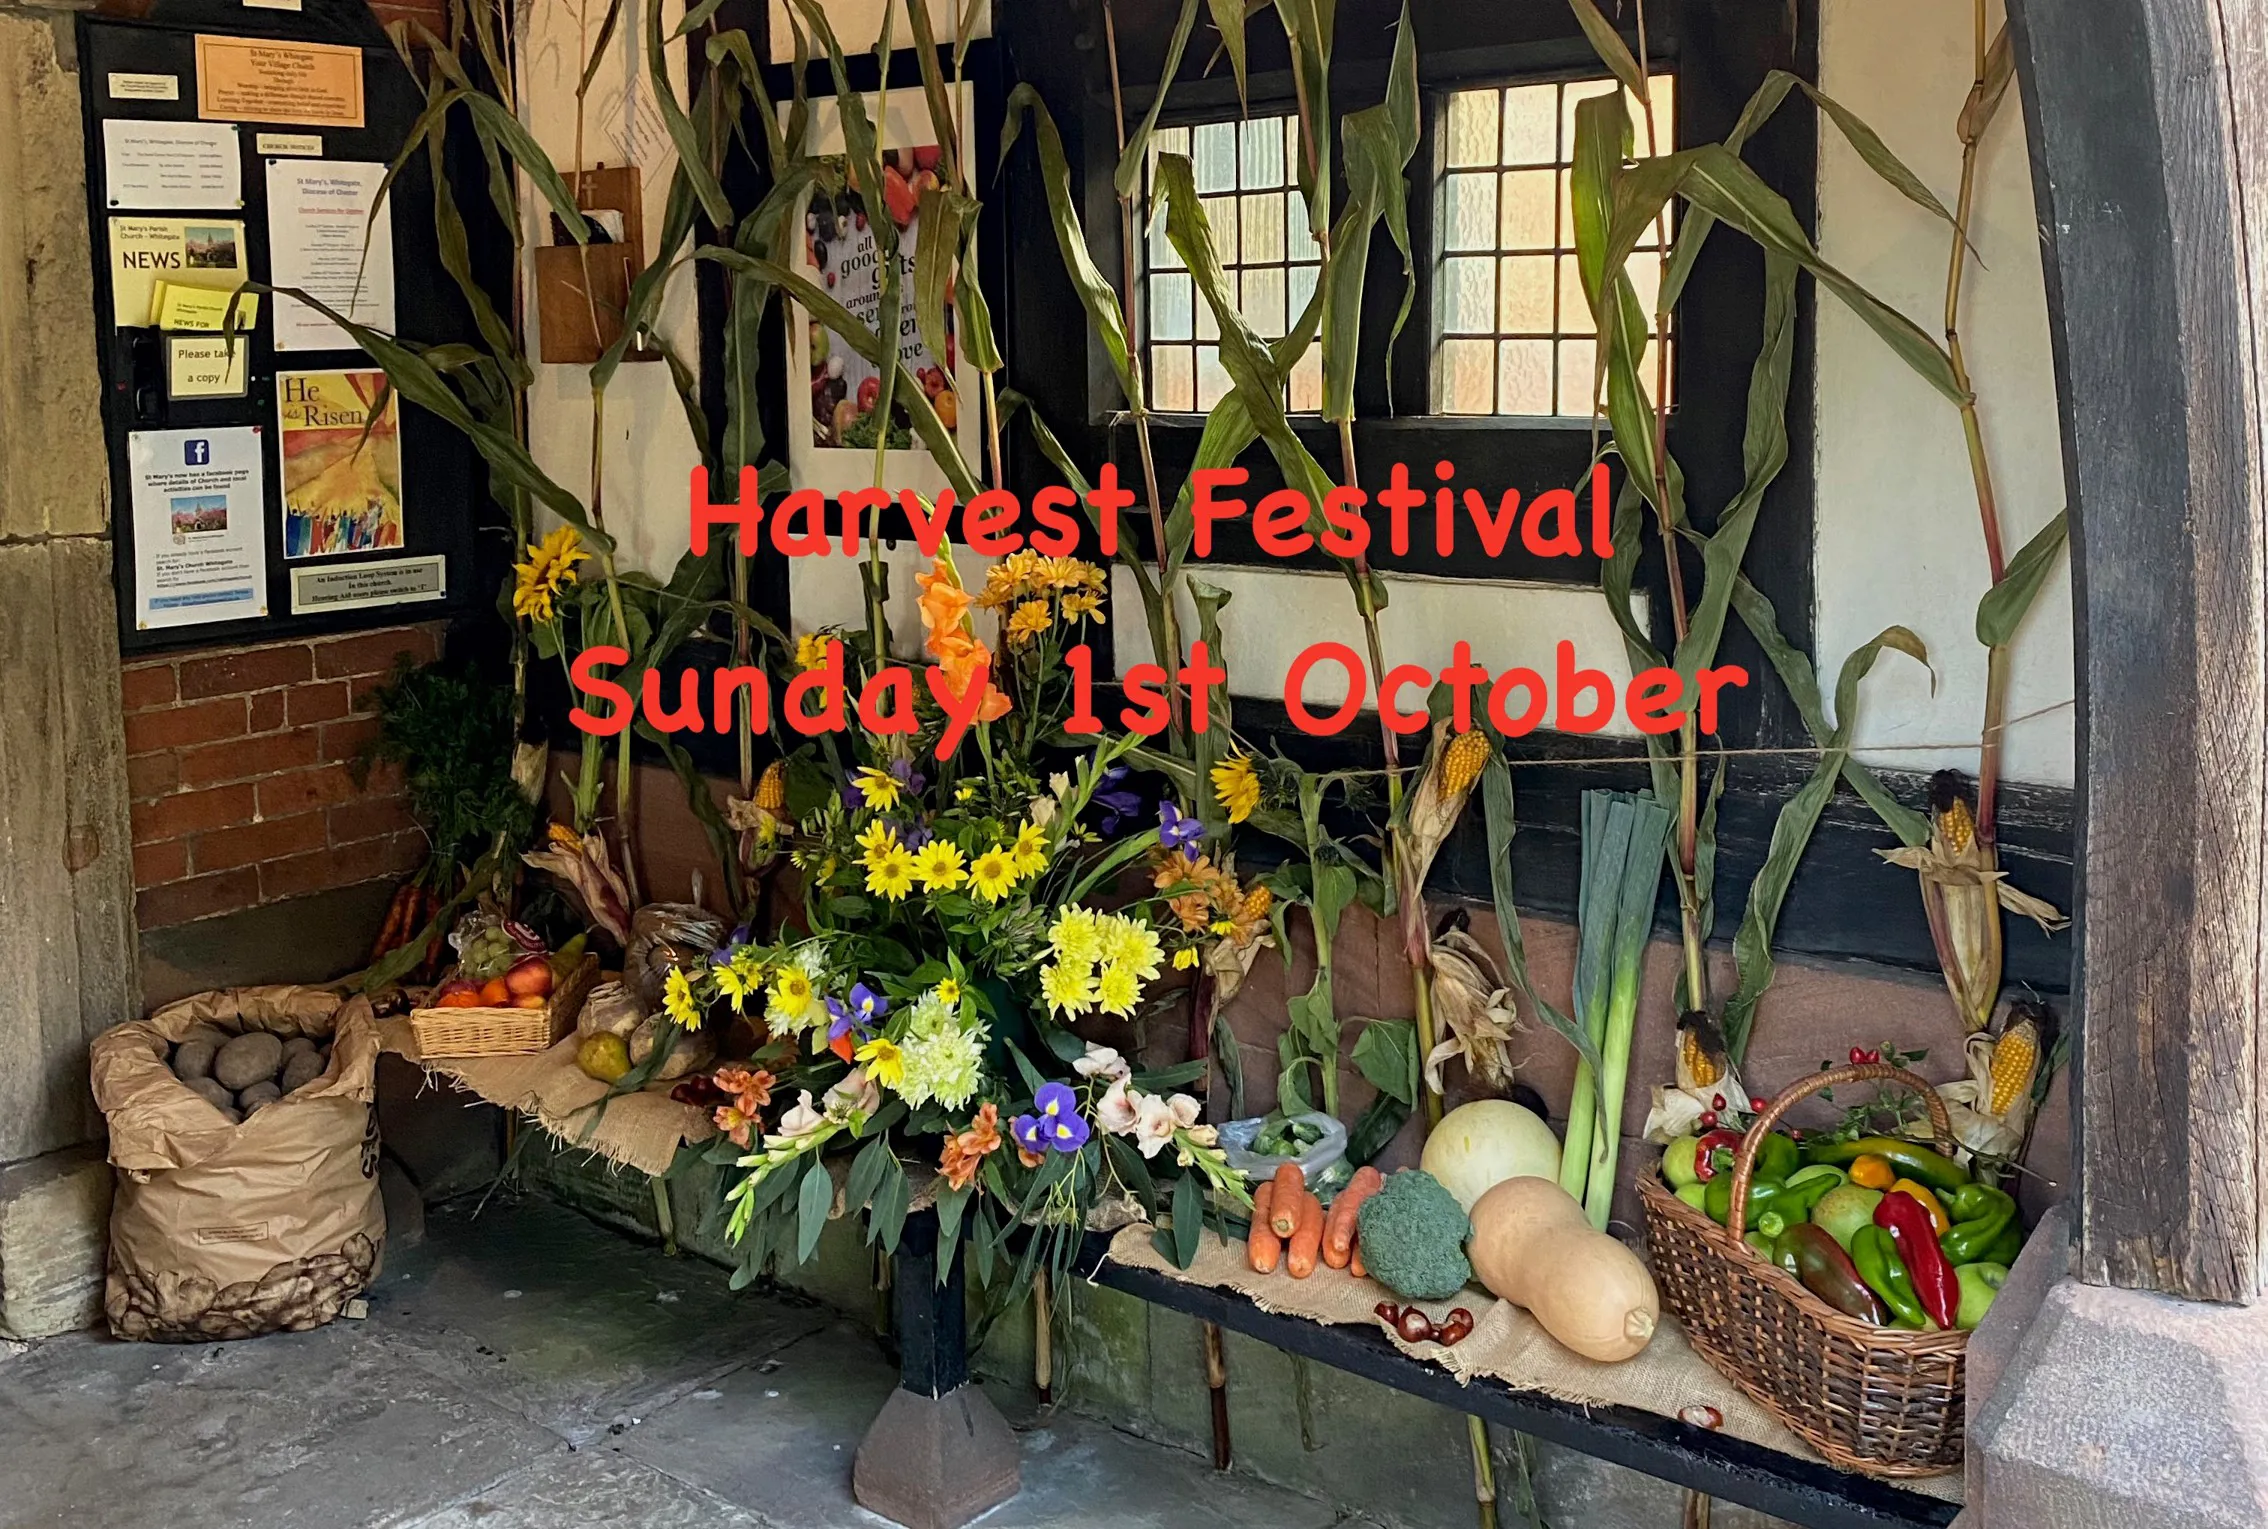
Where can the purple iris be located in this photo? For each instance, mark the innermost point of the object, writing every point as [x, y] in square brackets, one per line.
[734, 943]
[906, 775]
[1055, 1124]
[853, 798]
[1117, 802]
[1179, 830]
[844, 1021]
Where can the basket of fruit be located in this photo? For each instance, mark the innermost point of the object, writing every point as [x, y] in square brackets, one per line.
[508, 995]
[1835, 1282]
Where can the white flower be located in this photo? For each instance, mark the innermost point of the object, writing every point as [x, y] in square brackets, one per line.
[1203, 1136]
[1060, 784]
[1102, 1062]
[1041, 810]
[857, 1094]
[1154, 1123]
[797, 1123]
[1115, 1110]
[1185, 1110]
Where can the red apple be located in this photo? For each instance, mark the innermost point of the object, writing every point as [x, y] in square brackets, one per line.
[530, 977]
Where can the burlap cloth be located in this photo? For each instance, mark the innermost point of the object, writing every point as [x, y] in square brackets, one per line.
[1505, 1344]
[640, 1130]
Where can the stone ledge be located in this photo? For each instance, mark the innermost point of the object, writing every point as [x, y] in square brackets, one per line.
[54, 1232]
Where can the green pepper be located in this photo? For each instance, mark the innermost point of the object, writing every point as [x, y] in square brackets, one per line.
[2005, 1250]
[1777, 1158]
[1912, 1160]
[1761, 1197]
[1981, 1216]
[1876, 1258]
[1834, 1176]
[1759, 1242]
[1807, 1252]
[1799, 1194]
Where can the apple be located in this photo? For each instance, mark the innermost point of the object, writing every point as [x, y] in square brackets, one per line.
[1695, 1195]
[529, 1001]
[1677, 1162]
[530, 976]
[869, 394]
[1980, 1283]
[1843, 1210]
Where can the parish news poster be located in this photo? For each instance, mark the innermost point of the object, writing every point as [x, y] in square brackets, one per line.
[341, 448]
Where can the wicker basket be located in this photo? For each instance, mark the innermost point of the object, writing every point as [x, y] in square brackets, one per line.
[1884, 1401]
[505, 1032]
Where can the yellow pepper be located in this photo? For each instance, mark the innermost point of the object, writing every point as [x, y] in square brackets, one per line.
[1871, 1170]
[1923, 1193]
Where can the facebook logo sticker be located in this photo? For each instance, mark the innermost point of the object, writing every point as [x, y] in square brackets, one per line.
[196, 453]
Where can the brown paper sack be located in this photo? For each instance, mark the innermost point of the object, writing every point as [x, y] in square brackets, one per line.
[231, 1231]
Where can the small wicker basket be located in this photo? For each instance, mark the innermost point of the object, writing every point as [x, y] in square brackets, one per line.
[1880, 1400]
[505, 1032]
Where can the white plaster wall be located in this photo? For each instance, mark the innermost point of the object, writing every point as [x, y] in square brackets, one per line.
[649, 448]
[1897, 528]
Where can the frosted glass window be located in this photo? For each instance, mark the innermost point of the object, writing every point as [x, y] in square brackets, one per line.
[1517, 336]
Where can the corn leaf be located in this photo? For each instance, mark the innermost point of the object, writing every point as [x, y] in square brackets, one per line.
[1095, 294]
[1791, 832]
[1984, 100]
[1307, 27]
[1127, 178]
[2005, 605]
[1611, 49]
[1220, 724]
[940, 98]
[1693, 231]
[1378, 143]
[1228, 20]
[942, 216]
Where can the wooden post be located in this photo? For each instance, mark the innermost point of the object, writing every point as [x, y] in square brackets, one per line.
[2149, 136]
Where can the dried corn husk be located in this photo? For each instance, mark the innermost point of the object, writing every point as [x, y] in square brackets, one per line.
[1429, 815]
[1475, 1008]
[1704, 1075]
[1963, 890]
[1976, 1124]
[762, 819]
[582, 862]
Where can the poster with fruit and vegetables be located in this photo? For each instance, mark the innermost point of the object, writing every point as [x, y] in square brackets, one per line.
[832, 448]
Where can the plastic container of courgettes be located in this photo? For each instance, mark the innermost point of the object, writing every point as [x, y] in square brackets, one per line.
[1323, 1164]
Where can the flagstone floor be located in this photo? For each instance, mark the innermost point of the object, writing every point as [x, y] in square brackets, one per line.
[527, 1369]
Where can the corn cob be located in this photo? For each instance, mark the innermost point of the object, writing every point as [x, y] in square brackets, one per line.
[1461, 765]
[771, 790]
[2015, 1063]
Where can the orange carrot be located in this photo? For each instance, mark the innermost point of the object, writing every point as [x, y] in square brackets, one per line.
[1283, 1207]
[1306, 1239]
[1339, 1226]
[1354, 1260]
[1262, 1247]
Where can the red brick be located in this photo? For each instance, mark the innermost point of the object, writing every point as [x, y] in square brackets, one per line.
[178, 726]
[147, 685]
[267, 709]
[188, 812]
[155, 863]
[380, 859]
[359, 691]
[346, 740]
[149, 775]
[199, 897]
[244, 671]
[371, 818]
[373, 652]
[244, 758]
[305, 790]
[318, 701]
[225, 849]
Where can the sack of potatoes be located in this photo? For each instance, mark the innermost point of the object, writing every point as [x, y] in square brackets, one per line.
[240, 1075]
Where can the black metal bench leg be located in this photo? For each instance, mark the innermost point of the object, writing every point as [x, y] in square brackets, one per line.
[939, 1453]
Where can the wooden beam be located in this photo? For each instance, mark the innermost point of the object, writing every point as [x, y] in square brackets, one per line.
[2147, 120]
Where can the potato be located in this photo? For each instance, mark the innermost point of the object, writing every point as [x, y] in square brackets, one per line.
[298, 1044]
[257, 1098]
[212, 1093]
[300, 1069]
[213, 1033]
[247, 1060]
[193, 1059]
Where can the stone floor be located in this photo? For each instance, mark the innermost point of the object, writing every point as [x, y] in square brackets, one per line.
[528, 1370]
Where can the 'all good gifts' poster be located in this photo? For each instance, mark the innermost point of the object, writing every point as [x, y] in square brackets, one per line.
[341, 449]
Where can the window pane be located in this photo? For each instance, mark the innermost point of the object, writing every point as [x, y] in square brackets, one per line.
[1220, 211]
[1170, 299]
[1525, 213]
[1531, 125]
[1646, 280]
[1523, 295]
[1163, 256]
[1214, 151]
[1578, 370]
[1212, 378]
[1263, 301]
[1468, 377]
[1307, 381]
[1299, 240]
[1472, 128]
[1574, 307]
[1263, 150]
[1173, 378]
[1523, 377]
[1302, 289]
[1291, 151]
[1469, 212]
[1575, 93]
[1468, 295]
[1263, 222]
[1208, 326]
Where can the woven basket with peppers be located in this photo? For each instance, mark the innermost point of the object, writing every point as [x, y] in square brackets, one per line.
[1835, 1282]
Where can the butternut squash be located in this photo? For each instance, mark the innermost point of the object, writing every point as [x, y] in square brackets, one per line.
[1532, 1245]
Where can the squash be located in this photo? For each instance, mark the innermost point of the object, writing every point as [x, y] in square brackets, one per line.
[1533, 1246]
[1479, 1145]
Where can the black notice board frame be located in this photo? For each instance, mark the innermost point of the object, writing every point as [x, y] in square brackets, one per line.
[444, 487]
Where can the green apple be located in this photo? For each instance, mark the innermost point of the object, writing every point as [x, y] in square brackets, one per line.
[1695, 1195]
[1979, 1284]
[1678, 1162]
[1843, 1210]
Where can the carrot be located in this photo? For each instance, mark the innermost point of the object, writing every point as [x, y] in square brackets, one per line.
[1283, 1207]
[1307, 1239]
[389, 932]
[1354, 1260]
[1339, 1226]
[1262, 1247]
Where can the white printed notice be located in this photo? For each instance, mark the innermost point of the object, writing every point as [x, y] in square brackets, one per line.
[318, 213]
[200, 544]
[169, 166]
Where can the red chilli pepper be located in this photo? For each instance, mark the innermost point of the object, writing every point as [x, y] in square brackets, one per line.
[1705, 1150]
[1907, 1221]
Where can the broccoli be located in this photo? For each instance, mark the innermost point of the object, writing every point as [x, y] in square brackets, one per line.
[1413, 1237]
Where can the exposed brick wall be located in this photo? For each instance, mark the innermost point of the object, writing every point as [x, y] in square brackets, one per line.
[239, 762]
[433, 14]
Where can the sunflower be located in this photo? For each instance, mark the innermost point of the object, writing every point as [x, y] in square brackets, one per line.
[891, 874]
[677, 1000]
[794, 1002]
[940, 865]
[876, 840]
[879, 787]
[992, 874]
[1030, 850]
[739, 977]
[1185, 958]
[1238, 787]
[948, 992]
[549, 569]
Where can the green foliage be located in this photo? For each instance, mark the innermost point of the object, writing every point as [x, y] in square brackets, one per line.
[451, 733]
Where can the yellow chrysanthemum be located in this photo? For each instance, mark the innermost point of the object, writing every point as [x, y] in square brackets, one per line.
[1185, 959]
[1031, 619]
[940, 865]
[1029, 852]
[891, 874]
[1131, 945]
[677, 1000]
[811, 650]
[1116, 989]
[992, 874]
[876, 840]
[549, 569]
[1068, 986]
[1075, 937]
[1237, 786]
[885, 1063]
[1084, 606]
[879, 787]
